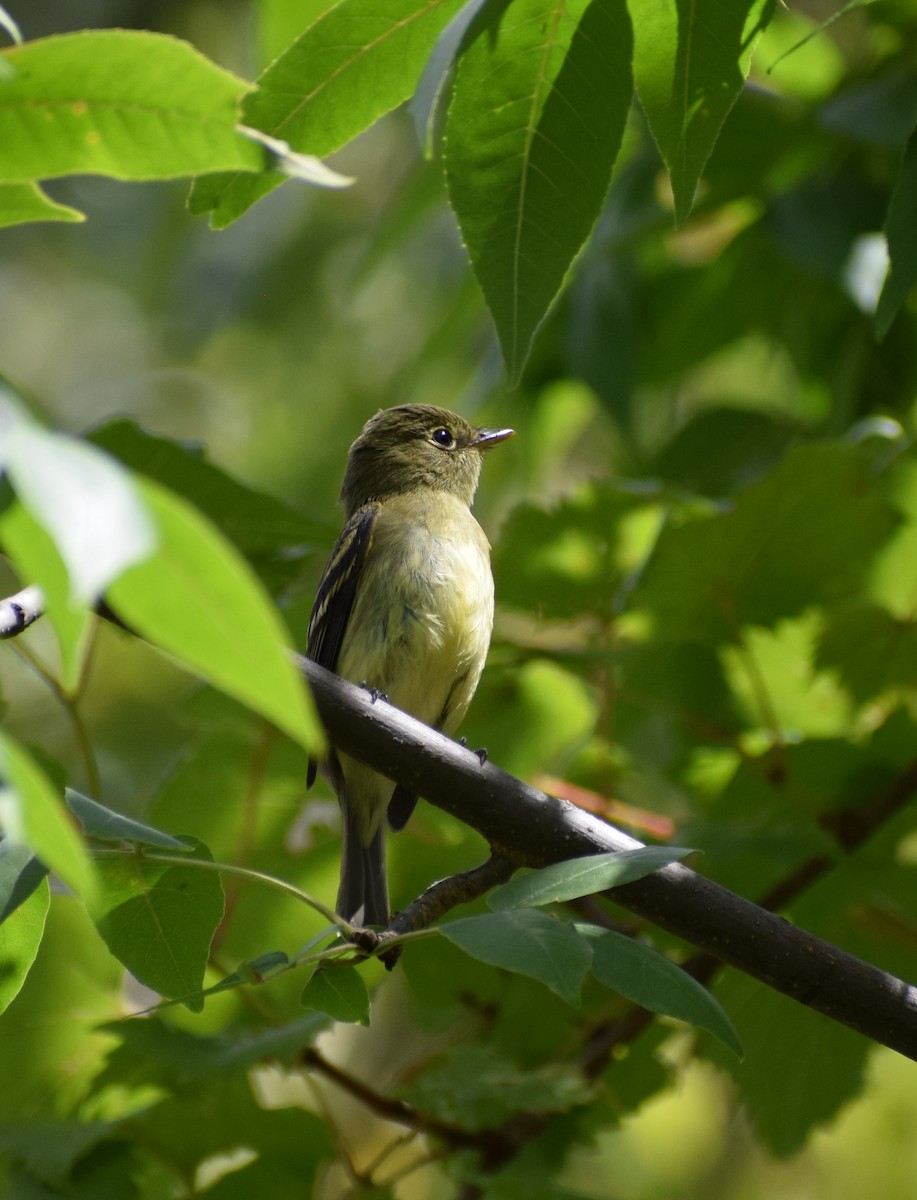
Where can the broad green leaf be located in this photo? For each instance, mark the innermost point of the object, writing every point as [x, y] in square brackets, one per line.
[425, 102]
[582, 877]
[691, 58]
[125, 103]
[197, 599]
[360, 59]
[158, 919]
[281, 22]
[528, 942]
[272, 536]
[21, 203]
[103, 823]
[37, 559]
[49, 1148]
[32, 814]
[340, 993]
[654, 982]
[20, 936]
[902, 241]
[540, 100]
[82, 497]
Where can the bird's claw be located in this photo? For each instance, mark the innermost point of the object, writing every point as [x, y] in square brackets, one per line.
[374, 693]
[480, 755]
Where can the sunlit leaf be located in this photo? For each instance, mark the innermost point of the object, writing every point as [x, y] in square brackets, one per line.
[21, 203]
[576, 877]
[20, 936]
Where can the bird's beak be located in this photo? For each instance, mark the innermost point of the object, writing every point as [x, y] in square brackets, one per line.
[489, 437]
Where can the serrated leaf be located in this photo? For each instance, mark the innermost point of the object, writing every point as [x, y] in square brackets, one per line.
[158, 919]
[340, 993]
[527, 942]
[22, 203]
[21, 932]
[197, 598]
[902, 241]
[82, 497]
[37, 559]
[527, 161]
[32, 814]
[359, 60]
[576, 877]
[103, 823]
[118, 102]
[654, 982]
[691, 58]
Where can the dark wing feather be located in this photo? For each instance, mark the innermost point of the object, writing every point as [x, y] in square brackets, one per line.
[337, 590]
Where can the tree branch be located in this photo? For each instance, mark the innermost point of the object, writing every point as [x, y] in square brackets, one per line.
[18, 612]
[533, 829]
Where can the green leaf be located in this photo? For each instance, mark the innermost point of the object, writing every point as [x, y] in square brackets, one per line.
[340, 993]
[691, 59]
[32, 814]
[272, 536]
[902, 241]
[103, 823]
[20, 936]
[528, 158]
[158, 919]
[360, 59]
[197, 598]
[654, 982]
[20, 875]
[49, 1149]
[38, 560]
[82, 497]
[528, 942]
[21, 203]
[582, 876]
[124, 103]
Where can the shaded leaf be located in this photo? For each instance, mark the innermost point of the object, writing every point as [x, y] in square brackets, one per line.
[125, 103]
[340, 993]
[582, 876]
[197, 598]
[527, 162]
[97, 821]
[691, 58]
[654, 982]
[32, 814]
[527, 942]
[902, 241]
[20, 875]
[158, 919]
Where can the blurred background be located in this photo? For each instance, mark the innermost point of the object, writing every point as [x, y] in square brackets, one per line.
[686, 361]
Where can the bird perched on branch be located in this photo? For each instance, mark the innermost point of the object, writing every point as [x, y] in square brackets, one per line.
[405, 607]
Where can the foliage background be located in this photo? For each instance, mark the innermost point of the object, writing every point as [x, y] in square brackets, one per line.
[737, 352]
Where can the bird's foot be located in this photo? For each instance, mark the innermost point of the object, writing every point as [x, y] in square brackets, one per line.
[374, 693]
[481, 754]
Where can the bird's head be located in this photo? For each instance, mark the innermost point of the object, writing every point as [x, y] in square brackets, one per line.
[415, 446]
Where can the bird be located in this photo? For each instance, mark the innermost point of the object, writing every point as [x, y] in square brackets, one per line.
[404, 607]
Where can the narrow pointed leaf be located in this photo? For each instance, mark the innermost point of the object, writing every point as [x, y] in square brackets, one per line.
[691, 59]
[103, 823]
[359, 60]
[198, 599]
[528, 160]
[654, 982]
[118, 102]
[21, 203]
[901, 232]
[582, 877]
[528, 942]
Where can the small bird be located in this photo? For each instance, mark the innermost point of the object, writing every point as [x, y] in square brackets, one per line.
[404, 607]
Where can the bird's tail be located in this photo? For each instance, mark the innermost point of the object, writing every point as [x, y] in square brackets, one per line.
[363, 894]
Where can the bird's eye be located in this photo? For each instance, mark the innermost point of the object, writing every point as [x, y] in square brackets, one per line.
[443, 438]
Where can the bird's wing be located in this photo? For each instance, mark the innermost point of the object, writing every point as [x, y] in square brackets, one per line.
[337, 590]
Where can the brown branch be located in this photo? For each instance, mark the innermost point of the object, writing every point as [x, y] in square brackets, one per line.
[534, 829]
